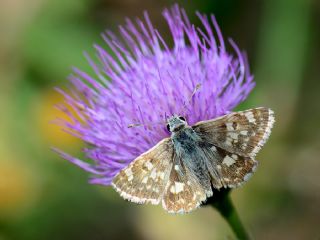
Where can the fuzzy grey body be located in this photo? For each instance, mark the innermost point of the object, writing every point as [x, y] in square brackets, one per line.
[189, 149]
[181, 171]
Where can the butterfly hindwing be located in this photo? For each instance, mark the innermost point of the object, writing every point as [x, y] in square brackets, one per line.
[228, 169]
[242, 133]
[183, 192]
[145, 178]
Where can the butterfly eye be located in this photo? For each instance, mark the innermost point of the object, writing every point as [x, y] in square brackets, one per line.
[168, 127]
[182, 118]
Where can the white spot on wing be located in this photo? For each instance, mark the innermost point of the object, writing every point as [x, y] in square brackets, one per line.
[229, 126]
[129, 173]
[249, 115]
[228, 161]
[244, 132]
[153, 174]
[177, 187]
[234, 156]
[161, 175]
[145, 180]
[233, 135]
[149, 165]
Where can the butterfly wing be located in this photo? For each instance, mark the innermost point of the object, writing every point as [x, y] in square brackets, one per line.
[145, 178]
[228, 169]
[242, 133]
[183, 193]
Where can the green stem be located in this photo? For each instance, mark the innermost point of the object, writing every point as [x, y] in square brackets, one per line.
[222, 202]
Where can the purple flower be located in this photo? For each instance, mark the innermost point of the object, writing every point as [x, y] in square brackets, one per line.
[144, 81]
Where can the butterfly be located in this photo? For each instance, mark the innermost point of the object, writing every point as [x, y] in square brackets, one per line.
[181, 171]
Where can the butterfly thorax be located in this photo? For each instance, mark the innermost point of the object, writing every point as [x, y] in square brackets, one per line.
[182, 135]
[185, 139]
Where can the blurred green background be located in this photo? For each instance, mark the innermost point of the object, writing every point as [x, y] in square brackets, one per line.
[45, 197]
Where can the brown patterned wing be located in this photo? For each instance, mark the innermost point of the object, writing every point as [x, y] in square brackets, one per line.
[228, 169]
[242, 133]
[183, 193]
[145, 178]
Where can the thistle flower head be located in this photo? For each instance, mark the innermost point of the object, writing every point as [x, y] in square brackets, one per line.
[122, 111]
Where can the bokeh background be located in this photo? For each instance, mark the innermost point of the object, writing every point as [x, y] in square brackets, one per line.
[44, 197]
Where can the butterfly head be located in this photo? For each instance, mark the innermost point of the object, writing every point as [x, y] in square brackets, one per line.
[176, 123]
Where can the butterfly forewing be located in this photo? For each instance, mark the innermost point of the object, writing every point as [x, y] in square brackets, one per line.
[145, 178]
[242, 133]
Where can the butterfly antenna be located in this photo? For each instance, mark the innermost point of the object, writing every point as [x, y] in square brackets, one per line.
[185, 105]
[132, 125]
